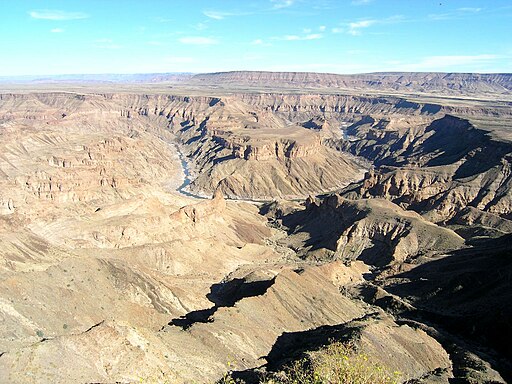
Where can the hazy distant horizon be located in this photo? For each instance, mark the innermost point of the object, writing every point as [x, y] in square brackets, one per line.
[77, 76]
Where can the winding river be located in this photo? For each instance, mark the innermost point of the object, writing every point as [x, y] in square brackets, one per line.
[187, 175]
[187, 178]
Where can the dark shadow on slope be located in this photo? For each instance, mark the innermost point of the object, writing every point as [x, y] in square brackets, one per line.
[455, 139]
[469, 294]
[224, 294]
[324, 224]
[224, 158]
[379, 255]
[431, 109]
[200, 316]
[447, 140]
[293, 346]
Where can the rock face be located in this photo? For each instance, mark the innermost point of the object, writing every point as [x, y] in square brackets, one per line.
[254, 153]
[375, 231]
[202, 211]
[109, 274]
[438, 169]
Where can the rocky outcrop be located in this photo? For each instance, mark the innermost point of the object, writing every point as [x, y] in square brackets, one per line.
[203, 210]
[247, 149]
[437, 169]
[375, 231]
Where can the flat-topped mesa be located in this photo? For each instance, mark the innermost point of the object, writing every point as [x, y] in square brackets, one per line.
[255, 149]
[418, 82]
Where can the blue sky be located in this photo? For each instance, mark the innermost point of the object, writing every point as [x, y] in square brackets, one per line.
[338, 36]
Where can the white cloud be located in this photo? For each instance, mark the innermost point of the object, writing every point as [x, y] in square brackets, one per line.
[307, 30]
[220, 15]
[440, 16]
[216, 15]
[355, 27]
[279, 4]
[261, 43]
[361, 2]
[337, 30]
[56, 30]
[460, 13]
[469, 10]
[322, 28]
[58, 15]
[198, 40]
[311, 36]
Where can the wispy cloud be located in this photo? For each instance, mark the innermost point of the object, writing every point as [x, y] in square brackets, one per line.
[361, 2]
[440, 16]
[198, 40]
[217, 15]
[220, 15]
[469, 10]
[56, 30]
[311, 36]
[279, 4]
[261, 43]
[458, 13]
[354, 28]
[57, 15]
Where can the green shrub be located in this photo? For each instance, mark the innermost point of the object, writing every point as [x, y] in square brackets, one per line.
[336, 363]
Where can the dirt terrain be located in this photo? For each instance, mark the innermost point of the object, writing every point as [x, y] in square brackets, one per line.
[178, 231]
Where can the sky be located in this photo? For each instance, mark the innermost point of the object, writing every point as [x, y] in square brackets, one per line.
[337, 36]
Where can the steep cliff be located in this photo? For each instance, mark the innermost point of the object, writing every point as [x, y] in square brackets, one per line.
[437, 169]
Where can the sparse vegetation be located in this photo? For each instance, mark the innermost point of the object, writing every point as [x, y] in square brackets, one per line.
[336, 363]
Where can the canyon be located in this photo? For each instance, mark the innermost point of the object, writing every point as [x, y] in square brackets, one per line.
[184, 229]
